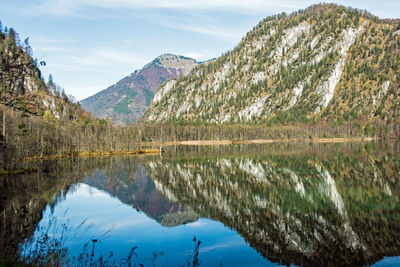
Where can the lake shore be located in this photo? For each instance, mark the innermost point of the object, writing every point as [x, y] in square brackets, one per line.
[139, 151]
[156, 147]
[260, 141]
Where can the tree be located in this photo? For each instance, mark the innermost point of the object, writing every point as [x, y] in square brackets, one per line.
[28, 48]
[50, 80]
[11, 37]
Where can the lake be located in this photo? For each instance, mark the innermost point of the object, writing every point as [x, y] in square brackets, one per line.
[248, 205]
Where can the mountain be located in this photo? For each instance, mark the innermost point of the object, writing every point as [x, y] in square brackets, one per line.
[327, 62]
[127, 100]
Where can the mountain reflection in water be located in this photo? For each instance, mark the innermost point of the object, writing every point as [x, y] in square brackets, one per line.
[319, 204]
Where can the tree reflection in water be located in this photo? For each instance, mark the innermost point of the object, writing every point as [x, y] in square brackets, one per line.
[305, 204]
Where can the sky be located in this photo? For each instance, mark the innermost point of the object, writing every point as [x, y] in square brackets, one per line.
[89, 45]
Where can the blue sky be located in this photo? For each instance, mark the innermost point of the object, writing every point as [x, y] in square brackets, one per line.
[89, 45]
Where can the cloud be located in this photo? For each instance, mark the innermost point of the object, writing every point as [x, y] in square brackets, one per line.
[196, 224]
[196, 56]
[98, 58]
[190, 4]
[224, 245]
[45, 49]
[208, 30]
[83, 92]
[111, 55]
[69, 7]
[76, 69]
[195, 22]
[84, 8]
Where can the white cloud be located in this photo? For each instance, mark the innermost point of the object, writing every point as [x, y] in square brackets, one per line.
[85, 72]
[45, 49]
[191, 4]
[196, 56]
[196, 224]
[83, 92]
[98, 58]
[266, 7]
[223, 245]
[208, 30]
[68, 7]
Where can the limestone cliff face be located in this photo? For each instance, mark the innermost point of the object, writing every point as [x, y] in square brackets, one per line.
[127, 100]
[327, 61]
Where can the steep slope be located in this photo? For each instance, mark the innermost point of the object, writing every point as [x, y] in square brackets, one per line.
[21, 85]
[326, 62]
[38, 119]
[127, 100]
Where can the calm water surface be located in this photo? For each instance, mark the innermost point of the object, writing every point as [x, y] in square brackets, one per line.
[249, 205]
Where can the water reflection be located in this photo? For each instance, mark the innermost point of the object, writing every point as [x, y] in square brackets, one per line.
[135, 188]
[293, 203]
[341, 209]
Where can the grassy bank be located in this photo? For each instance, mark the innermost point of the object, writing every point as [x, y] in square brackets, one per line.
[97, 154]
[20, 171]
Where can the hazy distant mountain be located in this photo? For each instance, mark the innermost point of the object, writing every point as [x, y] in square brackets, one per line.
[127, 100]
[326, 62]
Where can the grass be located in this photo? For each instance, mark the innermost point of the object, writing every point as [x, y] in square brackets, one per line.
[140, 151]
[48, 248]
[20, 171]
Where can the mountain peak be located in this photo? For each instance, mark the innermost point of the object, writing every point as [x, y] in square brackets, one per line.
[127, 100]
[174, 61]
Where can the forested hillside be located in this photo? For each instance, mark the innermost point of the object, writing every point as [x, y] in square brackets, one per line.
[326, 63]
[38, 119]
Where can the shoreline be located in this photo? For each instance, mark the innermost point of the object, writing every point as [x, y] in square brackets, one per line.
[260, 141]
[152, 150]
[140, 151]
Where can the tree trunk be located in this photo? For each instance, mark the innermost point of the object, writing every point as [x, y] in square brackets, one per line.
[42, 145]
[110, 136]
[4, 121]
